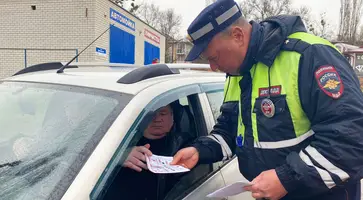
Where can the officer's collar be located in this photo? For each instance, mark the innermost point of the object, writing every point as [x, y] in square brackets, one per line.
[253, 47]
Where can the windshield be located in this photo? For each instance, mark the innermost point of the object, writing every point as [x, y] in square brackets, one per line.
[47, 133]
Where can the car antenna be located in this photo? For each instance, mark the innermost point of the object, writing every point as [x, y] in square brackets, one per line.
[66, 65]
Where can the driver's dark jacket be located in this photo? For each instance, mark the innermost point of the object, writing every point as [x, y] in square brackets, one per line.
[146, 185]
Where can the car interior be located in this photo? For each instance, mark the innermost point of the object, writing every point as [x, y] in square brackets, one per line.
[188, 110]
[190, 180]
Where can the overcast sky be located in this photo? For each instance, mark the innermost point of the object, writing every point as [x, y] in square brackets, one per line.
[189, 9]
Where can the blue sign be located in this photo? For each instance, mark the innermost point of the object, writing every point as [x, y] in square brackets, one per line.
[100, 50]
[122, 19]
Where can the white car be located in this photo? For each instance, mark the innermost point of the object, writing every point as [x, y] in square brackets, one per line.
[64, 134]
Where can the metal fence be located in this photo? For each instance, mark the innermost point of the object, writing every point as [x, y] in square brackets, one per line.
[14, 59]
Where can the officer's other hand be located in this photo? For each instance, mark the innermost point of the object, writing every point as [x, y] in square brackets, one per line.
[267, 185]
[187, 157]
[137, 158]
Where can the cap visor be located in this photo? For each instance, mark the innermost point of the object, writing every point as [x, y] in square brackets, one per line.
[197, 49]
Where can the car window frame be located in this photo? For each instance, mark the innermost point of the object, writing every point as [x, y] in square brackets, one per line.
[209, 100]
[222, 164]
[209, 120]
[153, 105]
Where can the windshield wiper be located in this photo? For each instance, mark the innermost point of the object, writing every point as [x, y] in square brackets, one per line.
[10, 164]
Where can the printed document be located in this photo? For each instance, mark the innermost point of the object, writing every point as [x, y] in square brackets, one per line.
[230, 190]
[161, 165]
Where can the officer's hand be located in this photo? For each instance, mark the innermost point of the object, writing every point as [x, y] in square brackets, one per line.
[136, 159]
[187, 157]
[267, 185]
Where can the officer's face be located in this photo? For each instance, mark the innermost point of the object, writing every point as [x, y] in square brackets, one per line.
[226, 52]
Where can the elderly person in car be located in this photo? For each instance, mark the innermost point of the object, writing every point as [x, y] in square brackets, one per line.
[135, 181]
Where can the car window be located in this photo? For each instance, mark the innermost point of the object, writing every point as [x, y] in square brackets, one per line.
[191, 125]
[200, 173]
[182, 133]
[215, 100]
[48, 132]
[184, 101]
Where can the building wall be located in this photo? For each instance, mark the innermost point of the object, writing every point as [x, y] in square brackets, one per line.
[179, 57]
[57, 29]
[103, 21]
[52, 32]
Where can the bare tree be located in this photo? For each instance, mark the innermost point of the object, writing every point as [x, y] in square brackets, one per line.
[360, 36]
[326, 30]
[350, 14]
[128, 3]
[168, 22]
[170, 27]
[305, 13]
[322, 27]
[261, 9]
[150, 13]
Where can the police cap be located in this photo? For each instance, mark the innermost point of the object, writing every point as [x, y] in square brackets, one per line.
[212, 20]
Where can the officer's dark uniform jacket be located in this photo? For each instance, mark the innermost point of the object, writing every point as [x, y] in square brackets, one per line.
[315, 138]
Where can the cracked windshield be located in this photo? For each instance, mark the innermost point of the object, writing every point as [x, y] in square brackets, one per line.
[181, 100]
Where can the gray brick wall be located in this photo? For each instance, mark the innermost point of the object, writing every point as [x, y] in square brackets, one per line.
[60, 24]
[35, 56]
[11, 61]
[101, 24]
[55, 24]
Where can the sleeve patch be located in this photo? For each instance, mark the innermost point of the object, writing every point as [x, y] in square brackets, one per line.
[329, 81]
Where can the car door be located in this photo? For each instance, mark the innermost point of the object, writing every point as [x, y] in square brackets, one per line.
[229, 169]
[194, 185]
[214, 179]
[188, 97]
[231, 174]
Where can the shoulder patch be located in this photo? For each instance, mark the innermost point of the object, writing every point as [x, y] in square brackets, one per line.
[329, 81]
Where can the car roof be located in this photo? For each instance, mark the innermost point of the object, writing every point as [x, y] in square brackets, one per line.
[106, 76]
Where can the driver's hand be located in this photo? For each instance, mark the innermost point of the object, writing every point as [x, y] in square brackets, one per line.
[187, 157]
[137, 158]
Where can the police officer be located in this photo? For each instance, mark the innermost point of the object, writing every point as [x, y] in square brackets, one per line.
[292, 113]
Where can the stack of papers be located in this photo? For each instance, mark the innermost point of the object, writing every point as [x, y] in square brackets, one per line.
[161, 165]
[230, 190]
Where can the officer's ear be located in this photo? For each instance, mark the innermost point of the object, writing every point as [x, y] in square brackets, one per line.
[238, 34]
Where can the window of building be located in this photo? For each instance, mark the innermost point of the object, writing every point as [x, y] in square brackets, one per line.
[180, 48]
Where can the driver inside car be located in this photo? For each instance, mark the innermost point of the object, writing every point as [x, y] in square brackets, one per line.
[135, 181]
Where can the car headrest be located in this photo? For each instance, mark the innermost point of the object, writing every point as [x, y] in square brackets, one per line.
[183, 118]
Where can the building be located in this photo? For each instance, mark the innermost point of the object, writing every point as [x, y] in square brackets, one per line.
[177, 51]
[37, 31]
[354, 55]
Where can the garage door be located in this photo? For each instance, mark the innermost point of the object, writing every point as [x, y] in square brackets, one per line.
[151, 52]
[122, 46]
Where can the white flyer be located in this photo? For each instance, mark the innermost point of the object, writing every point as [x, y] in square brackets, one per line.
[161, 165]
[230, 190]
